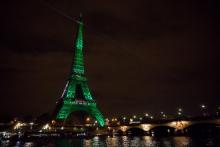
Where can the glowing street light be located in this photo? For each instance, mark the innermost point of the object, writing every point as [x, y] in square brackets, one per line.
[31, 125]
[203, 106]
[180, 109]
[179, 113]
[46, 127]
[163, 115]
[204, 109]
[18, 125]
[107, 121]
[88, 119]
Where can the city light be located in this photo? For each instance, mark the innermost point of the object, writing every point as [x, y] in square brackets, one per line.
[53, 122]
[46, 127]
[180, 109]
[163, 115]
[114, 119]
[203, 109]
[203, 106]
[31, 123]
[87, 119]
[19, 125]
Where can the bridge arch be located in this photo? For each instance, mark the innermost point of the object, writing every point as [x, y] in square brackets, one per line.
[136, 131]
[177, 127]
[162, 130]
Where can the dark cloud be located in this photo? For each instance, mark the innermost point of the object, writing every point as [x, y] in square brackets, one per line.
[141, 56]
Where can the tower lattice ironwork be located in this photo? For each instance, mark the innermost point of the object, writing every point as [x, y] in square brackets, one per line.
[76, 95]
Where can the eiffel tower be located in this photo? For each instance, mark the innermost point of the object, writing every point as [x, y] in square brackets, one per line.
[76, 95]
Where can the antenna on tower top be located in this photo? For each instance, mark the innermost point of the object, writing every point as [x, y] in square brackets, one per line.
[80, 18]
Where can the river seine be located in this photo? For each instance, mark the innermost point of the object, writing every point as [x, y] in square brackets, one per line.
[119, 141]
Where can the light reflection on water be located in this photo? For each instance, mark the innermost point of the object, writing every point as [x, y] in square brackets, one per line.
[122, 141]
[182, 141]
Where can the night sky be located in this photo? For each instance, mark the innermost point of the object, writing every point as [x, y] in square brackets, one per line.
[140, 55]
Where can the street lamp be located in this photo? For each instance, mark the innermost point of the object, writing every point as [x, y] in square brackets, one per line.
[203, 106]
[203, 109]
[180, 111]
[87, 119]
[163, 115]
[124, 119]
[146, 114]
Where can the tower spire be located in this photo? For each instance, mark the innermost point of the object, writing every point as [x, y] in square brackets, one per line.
[78, 64]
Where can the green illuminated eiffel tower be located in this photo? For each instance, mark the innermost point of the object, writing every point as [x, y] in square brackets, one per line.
[76, 95]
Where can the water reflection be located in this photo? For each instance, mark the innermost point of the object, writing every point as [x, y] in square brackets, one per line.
[149, 141]
[145, 141]
[87, 143]
[28, 144]
[125, 141]
[119, 141]
[182, 141]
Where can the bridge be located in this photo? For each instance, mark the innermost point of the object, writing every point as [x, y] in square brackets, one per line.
[172, 126]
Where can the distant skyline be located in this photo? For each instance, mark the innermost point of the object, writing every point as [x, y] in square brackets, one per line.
[140, 56]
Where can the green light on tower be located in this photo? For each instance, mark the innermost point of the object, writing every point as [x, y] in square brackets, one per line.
[78, 66]
[76, 95]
